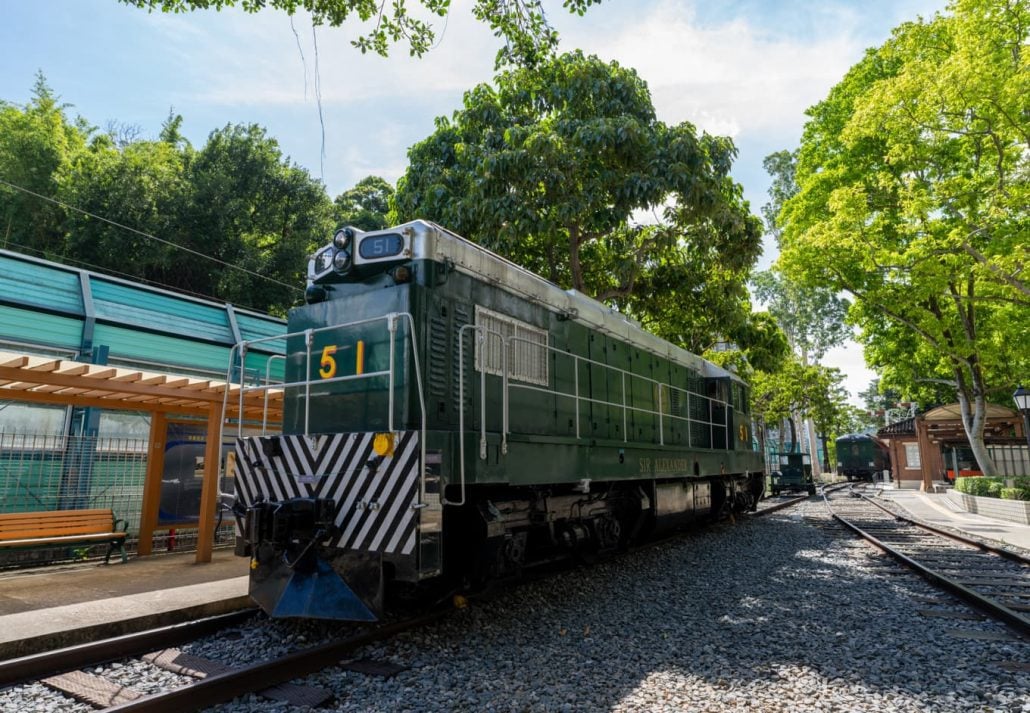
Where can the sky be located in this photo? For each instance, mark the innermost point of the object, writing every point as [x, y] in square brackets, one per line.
[747, 69]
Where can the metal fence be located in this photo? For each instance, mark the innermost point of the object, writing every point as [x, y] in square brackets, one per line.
[1011, 460]
[41, 472]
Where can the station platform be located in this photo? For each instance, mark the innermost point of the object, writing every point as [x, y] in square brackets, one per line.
[48, 608]
[937, 509]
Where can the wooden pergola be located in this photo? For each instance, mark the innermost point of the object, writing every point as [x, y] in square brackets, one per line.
[44, 380]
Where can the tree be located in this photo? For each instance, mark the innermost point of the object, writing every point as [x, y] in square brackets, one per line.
[521, 23]
[762, 342]
[38, 144]
[251, 208]
[365, 206]
[914, 199]
[550, 167]
[142, 186]
[796, 389]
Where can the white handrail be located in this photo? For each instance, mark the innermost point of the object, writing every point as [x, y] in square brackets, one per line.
[306, 383]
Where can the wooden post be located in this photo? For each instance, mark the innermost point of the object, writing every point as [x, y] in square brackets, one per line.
[152, 481]
[209, 491]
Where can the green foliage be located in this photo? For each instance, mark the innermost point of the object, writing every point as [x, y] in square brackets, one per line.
[38, 145]
[914, 197]
[994, 487]
[980, 486]
[797, 389]
[521, 23]
[812, 317]
[1015, 494]
[548, 168]
[763, 342]
[365, 206]
[236, 199]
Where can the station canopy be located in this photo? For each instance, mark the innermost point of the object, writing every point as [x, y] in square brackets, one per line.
[46, 380]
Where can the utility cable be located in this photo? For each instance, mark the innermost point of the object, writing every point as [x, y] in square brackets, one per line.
[148, 235]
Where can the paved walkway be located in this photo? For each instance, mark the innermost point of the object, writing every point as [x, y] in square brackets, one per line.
[52, 607]
[937, 509]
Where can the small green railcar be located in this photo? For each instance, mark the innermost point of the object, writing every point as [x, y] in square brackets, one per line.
[862, 457]
[793, 473]
[451, 417]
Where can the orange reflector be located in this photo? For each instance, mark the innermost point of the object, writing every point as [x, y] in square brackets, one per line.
[360, 363]
[383, 443]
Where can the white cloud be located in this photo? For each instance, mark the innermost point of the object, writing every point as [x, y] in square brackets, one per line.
[728, 78]
[261, 59]
[848, 358]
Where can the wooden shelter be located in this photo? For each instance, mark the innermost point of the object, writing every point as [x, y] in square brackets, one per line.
[45, 380]
[918, 444]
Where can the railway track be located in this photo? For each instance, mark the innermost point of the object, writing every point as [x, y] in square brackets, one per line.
[780, 502]
[80, 673]
[994, 580]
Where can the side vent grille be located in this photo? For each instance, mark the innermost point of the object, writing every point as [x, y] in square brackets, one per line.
[437, 356]
[462, 316]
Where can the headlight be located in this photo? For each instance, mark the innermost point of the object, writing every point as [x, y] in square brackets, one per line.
[341, 261]
[323, 261]
[342, 238]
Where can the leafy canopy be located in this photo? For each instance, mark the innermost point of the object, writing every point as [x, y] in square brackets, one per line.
[914, 198]
[233, 220]
[522, 24]
[556, 167]
[366, 205]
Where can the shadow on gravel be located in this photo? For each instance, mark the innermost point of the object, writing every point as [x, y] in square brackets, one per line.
[772, 614]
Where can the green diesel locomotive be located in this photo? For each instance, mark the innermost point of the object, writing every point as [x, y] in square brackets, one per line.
[450, 417]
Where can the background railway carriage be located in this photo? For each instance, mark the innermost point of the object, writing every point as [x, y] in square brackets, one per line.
[861, 456]
[451, 417]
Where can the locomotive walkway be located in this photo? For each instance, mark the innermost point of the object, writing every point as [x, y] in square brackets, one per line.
[49, 608]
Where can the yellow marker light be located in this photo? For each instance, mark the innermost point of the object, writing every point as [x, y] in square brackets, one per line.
[382, 444]
[360, 358]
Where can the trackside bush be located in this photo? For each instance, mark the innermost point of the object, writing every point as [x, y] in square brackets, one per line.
[1015, 494]
[995, 487]
[980, 486]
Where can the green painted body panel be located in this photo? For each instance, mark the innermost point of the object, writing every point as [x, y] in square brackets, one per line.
[614, 443]
[22, 325]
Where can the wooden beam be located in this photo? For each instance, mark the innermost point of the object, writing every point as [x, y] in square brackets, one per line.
[152, 483]
[209, 490]
[112, 402]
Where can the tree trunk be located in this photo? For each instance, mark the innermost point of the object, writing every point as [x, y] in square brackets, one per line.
[974, 418]
[793, 435]
[574, 264]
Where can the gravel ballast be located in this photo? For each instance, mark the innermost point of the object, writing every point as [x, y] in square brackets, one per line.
[769, 614]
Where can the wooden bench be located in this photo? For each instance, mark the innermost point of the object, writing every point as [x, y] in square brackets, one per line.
[63, 527]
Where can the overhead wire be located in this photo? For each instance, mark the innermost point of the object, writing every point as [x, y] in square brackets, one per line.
[149, 236]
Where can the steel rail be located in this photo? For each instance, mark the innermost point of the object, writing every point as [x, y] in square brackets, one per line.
[984, 603]
[85, 655]
[219, 688]
[980, 544]
[779, 506]
[793, 501]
